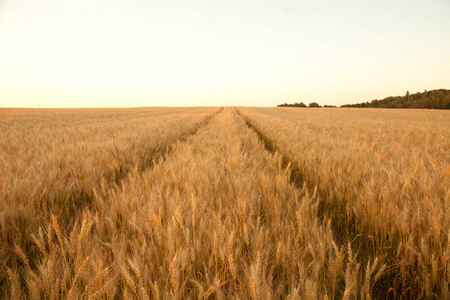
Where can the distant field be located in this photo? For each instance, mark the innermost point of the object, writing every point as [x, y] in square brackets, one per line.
[212, 203]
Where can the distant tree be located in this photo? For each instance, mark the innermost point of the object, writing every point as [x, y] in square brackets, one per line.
[296, 104]
[314, 104]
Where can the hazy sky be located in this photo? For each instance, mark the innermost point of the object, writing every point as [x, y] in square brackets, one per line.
[84, 53]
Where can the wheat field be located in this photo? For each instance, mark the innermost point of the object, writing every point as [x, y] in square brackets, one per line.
[232, 203]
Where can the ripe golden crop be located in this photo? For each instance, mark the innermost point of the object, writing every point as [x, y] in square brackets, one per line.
[252, 203]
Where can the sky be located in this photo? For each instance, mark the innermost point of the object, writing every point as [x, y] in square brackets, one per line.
[125, 53]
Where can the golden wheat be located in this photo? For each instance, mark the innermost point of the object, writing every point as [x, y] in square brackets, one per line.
[187, 203]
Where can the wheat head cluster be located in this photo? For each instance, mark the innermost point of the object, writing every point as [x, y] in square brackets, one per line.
[212, 203]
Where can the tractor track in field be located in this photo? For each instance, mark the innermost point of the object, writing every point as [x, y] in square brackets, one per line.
[297, 177]
[343, 225]
[86, 197]
[159, 155]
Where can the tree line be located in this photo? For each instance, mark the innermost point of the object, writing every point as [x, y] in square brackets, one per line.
[435, 99]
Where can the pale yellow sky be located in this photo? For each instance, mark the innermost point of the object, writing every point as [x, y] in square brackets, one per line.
[116, 53]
